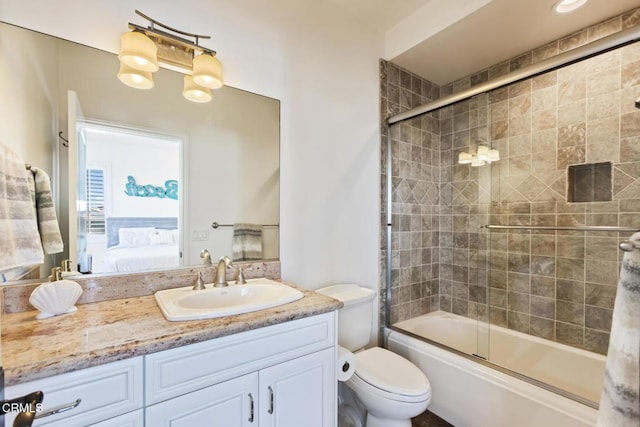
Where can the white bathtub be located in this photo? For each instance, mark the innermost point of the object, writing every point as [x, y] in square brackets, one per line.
[468, 393]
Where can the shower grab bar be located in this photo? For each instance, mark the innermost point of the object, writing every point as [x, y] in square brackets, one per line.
[562, 228]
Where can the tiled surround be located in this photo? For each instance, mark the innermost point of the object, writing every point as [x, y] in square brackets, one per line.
[415, 178]
[465, 197]
[557, 285]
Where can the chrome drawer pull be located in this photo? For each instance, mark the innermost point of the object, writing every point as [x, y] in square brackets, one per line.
[270, 400]
[59, 409]
[250, 408]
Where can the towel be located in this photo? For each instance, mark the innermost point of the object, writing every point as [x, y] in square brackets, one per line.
[19, 239]
[46, 213]
[247, 242]
[620, 399]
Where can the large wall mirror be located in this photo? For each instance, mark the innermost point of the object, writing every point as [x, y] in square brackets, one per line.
[147, 171]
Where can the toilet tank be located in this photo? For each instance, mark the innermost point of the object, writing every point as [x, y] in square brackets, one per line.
[356, 317]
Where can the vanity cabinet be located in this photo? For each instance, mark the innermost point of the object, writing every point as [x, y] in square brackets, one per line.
[285, 372]
[290, 394]
[281, 376]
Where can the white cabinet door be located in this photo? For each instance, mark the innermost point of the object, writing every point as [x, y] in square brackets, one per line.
[231, 403]
[132, 419]
[300, 392]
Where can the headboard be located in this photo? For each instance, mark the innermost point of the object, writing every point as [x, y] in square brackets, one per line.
[114, 224]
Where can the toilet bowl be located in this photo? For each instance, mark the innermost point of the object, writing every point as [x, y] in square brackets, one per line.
[391, 389]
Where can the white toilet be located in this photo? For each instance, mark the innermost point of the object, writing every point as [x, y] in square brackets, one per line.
[391, 389]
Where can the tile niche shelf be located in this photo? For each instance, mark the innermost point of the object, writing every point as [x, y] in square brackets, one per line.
[589, 183]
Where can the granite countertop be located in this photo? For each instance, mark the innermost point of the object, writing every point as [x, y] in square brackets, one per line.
[113, 330]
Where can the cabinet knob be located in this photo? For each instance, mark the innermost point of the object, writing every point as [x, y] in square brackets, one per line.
[250, 408]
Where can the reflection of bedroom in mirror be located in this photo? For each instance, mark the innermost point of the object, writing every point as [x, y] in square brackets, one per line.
[132, 204]
[229, 163]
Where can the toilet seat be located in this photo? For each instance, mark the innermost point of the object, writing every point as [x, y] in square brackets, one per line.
[390, 376]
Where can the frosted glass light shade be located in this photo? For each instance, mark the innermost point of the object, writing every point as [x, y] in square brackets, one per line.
[494, 155]
[194, 92]
[207, 71]
[483, 153]
[477, 162]
[465, 158]
[135, 78]
[138, 51]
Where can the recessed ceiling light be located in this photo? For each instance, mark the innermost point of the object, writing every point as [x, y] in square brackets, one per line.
[566, 6]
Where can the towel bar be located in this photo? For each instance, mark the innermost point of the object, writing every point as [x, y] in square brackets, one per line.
[215, 225]
[614, 229]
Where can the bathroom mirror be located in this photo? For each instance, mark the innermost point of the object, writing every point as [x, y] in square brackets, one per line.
[226, 165]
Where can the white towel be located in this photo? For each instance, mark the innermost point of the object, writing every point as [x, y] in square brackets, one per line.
[46, 213]
[247, 242]
[620, 399]
[19, 238]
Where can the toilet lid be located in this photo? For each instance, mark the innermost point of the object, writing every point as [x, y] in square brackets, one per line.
[391, 372]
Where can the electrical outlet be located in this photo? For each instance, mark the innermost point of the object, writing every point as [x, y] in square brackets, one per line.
[200, 235]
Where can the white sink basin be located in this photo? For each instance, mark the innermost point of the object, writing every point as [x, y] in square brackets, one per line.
[257, 294]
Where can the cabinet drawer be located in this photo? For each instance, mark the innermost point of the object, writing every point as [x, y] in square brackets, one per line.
[182, 370]
[105, 391]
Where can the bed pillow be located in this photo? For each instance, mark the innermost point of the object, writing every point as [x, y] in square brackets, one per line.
[135, 236]
[161, 237]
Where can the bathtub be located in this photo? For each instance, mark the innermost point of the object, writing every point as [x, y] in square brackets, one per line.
[467, 391]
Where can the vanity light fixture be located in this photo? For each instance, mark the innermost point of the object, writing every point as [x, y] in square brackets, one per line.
[143, 49]
[481, 157]
[135, 78]
[566, 6]
[194, 92]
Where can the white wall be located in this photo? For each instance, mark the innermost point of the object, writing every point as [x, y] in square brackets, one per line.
[149, 160]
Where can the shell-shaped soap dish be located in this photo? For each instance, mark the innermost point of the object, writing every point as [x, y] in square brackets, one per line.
[55, 298]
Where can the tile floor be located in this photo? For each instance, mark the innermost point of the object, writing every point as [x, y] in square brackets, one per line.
[429, 419]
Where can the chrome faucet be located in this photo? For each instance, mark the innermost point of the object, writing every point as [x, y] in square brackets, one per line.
[221, 273]
[206, 257]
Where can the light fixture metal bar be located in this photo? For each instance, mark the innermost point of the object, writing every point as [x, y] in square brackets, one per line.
[589, 50]
[171, 39]
[184, 33]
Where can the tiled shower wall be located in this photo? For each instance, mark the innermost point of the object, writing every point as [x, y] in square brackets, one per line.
[557, 285]
[415, 180]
